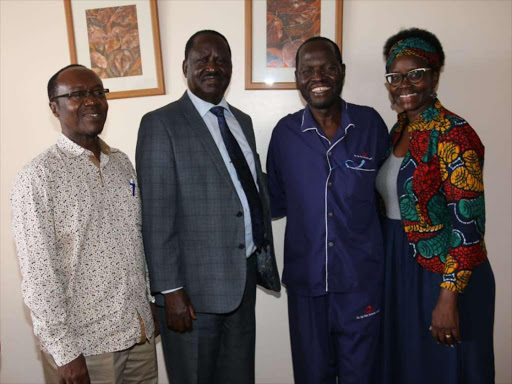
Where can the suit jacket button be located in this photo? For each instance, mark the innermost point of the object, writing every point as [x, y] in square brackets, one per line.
[241, 246]
[239, 214]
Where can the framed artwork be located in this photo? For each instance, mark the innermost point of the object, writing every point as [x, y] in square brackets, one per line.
[275, 29]
[120, 41]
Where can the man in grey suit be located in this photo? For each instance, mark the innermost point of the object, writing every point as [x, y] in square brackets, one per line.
[206, 222]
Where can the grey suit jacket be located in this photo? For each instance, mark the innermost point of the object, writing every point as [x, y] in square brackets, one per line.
[193, 225]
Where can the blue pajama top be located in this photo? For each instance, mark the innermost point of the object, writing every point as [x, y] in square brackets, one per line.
[326, 190]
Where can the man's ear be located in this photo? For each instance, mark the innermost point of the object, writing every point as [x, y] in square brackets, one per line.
[184, 66]
[53, 107]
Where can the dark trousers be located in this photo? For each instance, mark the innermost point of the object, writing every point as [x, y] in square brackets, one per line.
[220, 348]
[408, 352]
[334, 337]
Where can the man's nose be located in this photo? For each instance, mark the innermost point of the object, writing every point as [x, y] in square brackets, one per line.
[90, 99]
[211, 65]
[318, 73]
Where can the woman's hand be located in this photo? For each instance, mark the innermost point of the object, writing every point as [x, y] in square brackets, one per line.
[445, 319]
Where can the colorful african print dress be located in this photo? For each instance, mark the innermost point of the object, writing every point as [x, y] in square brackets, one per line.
[437, 243]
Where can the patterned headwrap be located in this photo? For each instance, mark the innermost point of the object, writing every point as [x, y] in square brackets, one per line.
[413, 46]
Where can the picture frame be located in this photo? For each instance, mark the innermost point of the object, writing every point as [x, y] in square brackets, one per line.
[264, 68]
[120, 41]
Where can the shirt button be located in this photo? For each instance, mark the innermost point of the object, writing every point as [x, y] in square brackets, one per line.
[241, 246]
[331, 244]
[329, 153]
[331, 214]
[329, 184]
[239, 214]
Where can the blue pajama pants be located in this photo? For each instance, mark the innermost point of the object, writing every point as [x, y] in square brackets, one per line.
[334, 337]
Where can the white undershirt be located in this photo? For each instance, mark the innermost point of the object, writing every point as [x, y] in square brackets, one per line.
[386, 184]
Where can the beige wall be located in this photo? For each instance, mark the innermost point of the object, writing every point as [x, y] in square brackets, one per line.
[476, 84]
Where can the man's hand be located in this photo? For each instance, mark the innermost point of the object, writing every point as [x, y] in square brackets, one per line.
[179, 311]
[445, 319]
[154, 312]
[74, 372]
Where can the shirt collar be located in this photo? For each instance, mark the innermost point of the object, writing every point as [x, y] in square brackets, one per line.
[309, 122]
[72, 149]
[203, 107]
[423, 123]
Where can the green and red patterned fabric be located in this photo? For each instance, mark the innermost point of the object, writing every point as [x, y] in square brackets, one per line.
[413, 46]
[442, 205]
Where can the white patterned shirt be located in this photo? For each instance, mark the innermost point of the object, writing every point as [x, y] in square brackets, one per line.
[77, 228]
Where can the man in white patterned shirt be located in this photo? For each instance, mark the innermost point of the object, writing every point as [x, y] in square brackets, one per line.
[77, 227]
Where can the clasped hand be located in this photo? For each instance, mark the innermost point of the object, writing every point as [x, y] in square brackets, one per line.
[179, 311]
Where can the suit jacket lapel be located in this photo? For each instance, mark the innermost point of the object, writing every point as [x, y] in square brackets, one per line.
[198, 126]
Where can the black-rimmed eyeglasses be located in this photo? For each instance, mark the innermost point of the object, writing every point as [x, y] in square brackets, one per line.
[81, 95]
[415, 76]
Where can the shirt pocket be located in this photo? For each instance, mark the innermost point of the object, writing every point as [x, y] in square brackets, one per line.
[361, 165]
[126, 202]
[134, 202]
[360, 195]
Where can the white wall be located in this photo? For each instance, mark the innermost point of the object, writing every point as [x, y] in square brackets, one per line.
[476, 84]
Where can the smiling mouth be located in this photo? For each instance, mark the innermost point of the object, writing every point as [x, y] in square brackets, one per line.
[408, 95]
[211, 77]
[318, 90]
[92, 114]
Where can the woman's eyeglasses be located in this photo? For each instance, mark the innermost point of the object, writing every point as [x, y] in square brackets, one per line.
[413, 77]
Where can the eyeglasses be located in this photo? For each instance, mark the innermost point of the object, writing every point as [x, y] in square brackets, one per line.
[413, 77]
[81, 95]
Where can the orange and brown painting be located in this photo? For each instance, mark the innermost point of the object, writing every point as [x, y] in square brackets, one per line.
[289, 24]
[114, 41]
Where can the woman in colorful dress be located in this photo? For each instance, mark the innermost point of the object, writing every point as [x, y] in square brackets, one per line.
[439, 292]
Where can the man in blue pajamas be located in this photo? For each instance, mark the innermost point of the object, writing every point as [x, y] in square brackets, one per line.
[321, 165]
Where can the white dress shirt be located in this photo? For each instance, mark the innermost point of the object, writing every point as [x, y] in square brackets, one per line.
[203, 107]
